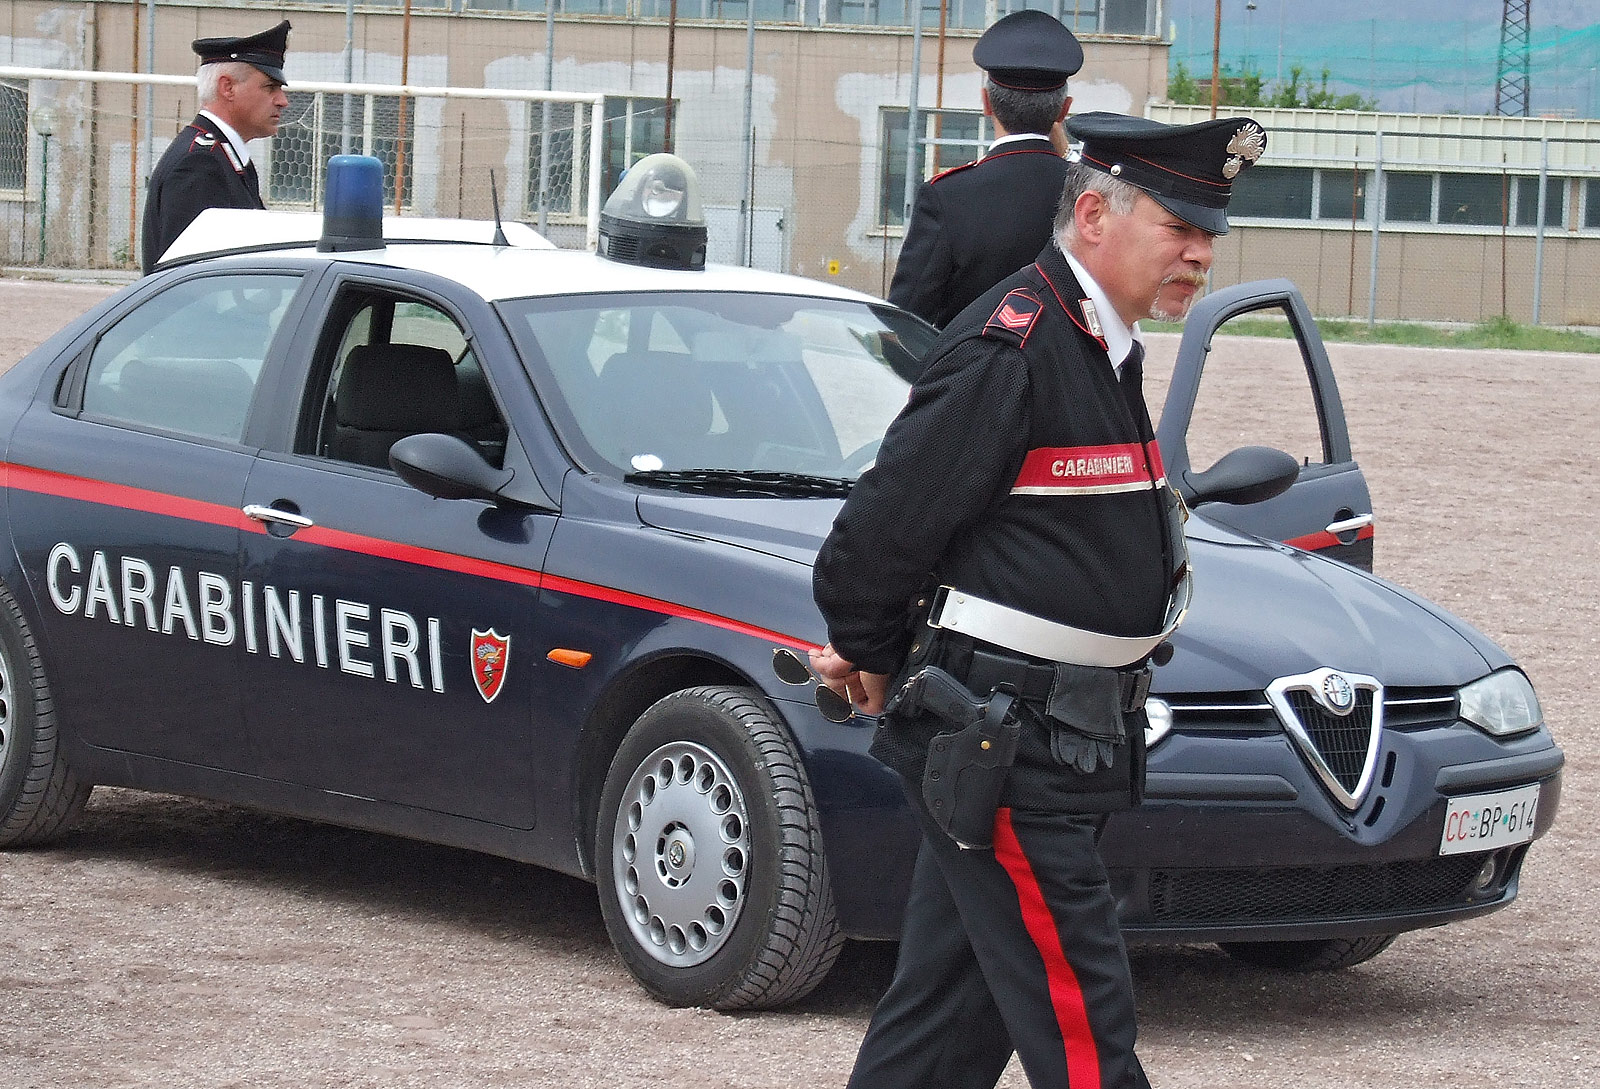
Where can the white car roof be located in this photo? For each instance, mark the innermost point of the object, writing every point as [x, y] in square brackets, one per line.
[461, 250]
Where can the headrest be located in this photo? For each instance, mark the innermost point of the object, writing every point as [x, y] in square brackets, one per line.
[398, 387]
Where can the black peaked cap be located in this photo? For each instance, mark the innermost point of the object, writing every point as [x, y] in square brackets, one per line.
[1028, 51]
[264, 51]
[1187, 169]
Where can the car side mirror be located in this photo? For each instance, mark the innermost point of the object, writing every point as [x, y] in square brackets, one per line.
[1250, 474]
[447, 467]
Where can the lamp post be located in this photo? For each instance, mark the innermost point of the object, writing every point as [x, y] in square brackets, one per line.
[43, 120]
[1249, 21]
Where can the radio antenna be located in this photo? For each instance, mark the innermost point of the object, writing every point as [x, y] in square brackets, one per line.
[494, 199]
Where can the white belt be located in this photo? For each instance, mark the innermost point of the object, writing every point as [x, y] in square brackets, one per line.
[958, 611]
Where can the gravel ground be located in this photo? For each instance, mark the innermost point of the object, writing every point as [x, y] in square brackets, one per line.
[169, 942]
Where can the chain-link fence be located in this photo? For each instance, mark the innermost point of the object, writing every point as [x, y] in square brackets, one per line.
[73, 158]
[801, 136]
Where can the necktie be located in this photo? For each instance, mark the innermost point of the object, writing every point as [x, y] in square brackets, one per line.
[252, 180]
[1133, 367]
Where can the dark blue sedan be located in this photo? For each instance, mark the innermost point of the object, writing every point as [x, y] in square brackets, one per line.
[506, 547]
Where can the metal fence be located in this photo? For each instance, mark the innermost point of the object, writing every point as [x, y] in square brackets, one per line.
[75, 153]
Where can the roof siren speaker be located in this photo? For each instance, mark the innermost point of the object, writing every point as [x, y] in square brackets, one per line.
[654, 216]
[352, 206]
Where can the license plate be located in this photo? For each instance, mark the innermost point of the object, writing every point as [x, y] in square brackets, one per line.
[1484, 822]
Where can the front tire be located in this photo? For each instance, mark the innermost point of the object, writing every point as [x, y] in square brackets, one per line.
[40, 798]
[712, 878]
[1326, 955]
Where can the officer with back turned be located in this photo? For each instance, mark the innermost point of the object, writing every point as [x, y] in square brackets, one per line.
[974, 225]
[240, 87]
[1013, 561]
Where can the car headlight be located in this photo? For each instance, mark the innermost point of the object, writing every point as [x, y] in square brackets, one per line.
[1502, 704]
[1158, 713]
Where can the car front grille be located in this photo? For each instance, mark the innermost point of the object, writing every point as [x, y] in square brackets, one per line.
[1342, 740]
[1304, 893]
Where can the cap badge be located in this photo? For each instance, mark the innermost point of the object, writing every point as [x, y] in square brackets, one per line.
[1244, 149]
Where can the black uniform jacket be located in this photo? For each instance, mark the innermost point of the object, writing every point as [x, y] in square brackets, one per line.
[1023, 471]
[198, 171]
[973, 226]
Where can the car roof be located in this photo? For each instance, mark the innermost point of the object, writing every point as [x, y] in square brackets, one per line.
[461, 250]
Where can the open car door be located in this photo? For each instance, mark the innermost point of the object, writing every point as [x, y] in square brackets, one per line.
[1272, 392]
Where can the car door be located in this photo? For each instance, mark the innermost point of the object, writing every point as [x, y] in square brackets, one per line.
[126, 479]
[1267, 391]
[390, 644]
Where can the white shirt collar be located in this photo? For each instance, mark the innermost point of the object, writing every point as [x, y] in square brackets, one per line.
[1014, 138]
[1118, 336]
[239, 146]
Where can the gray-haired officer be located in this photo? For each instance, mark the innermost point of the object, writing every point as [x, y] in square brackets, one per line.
[1019, 517]
[240, 86]
[974, 225]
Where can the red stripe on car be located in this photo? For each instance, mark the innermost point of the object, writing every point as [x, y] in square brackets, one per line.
[46, 482]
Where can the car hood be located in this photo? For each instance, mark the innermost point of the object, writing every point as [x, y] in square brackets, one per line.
[1261, 610]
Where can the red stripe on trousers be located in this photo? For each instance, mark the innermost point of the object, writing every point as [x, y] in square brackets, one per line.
[1066, 997]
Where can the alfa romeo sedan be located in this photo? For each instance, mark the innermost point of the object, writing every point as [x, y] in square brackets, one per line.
[474, 540]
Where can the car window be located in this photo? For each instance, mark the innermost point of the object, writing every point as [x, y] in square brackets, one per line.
[729, 381]
[188, 359]
[398, 367]
[1255, 391]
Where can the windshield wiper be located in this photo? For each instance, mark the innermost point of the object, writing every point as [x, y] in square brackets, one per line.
[744, 482]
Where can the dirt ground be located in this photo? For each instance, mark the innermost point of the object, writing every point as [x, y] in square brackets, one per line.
[177, 943]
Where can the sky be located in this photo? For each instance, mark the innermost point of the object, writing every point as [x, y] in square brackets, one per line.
[1427, 56]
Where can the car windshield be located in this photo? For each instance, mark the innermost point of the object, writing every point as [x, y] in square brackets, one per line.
[747, 386]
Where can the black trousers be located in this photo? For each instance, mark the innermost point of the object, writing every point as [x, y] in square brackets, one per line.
[1012, 949]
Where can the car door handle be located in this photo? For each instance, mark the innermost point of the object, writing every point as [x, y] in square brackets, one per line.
[1349, 525]
[274, 516]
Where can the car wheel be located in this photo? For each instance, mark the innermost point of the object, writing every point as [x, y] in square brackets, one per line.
[39, 796]
[711, 871]
[1310, 956]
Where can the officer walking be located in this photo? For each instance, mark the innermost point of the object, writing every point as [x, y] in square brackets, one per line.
[1013, 561]
[240, 88]
[974, 225]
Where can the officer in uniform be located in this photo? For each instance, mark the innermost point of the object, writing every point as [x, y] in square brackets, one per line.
[999, 581]
[974, 225]
[240, 87]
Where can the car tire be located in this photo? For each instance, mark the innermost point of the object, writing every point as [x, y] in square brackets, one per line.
[1325, 955]
[712, 878]
[40, 798]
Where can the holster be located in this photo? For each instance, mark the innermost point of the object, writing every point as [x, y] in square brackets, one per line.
[966, 767]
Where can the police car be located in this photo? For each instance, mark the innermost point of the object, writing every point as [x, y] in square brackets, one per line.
[458, 536]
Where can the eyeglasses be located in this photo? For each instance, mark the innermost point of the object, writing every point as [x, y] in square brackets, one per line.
[793, 669]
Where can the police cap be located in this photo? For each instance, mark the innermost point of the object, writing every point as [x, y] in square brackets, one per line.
[264, 51]
[1187, 169]
[1028, 51]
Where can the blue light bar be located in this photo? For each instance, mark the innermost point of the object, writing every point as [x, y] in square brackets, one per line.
[352, 207]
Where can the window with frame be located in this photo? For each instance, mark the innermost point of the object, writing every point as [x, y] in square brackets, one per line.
[397, 367]
[188, 360]
[632, 128]
[1526, 210]
[949, 138]
[1407, 197]
[1273, 192]
[1591, 204]
[1481, 199]
[1342, 195]
[13, 135]
[313, 131]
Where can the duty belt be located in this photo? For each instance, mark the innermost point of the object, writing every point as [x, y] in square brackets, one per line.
[959, 611]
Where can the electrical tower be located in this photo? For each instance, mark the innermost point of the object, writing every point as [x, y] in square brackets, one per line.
[1511, 78]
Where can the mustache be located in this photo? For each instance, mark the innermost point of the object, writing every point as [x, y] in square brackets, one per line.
[1193, 279]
